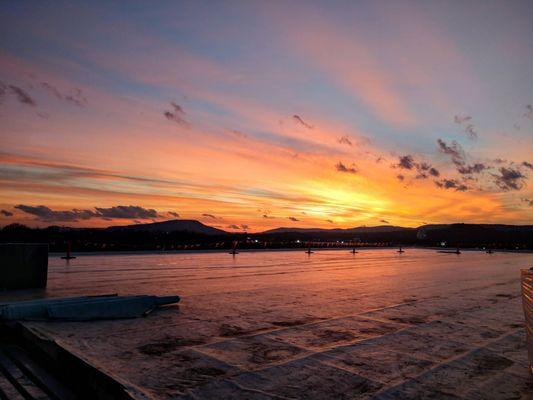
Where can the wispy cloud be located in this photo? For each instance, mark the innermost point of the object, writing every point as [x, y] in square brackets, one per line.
[451, 184]
[176, 115]
[345, 140]
[460, 119]
[6, 213]
[468, 127]
[529, 111]
[422, 168]
[509, 179]
[343, 168]
[300, 121]
[75, 96]
[293, 219]
[454, 150]
[22, 96]
[3, 91]
[472, 169]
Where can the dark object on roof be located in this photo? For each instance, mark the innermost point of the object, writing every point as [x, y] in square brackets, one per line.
[23, 265]
[84, 308]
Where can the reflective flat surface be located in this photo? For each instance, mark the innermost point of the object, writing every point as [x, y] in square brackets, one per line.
[290, 325]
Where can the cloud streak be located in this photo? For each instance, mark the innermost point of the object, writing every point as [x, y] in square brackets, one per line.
[75, 96]
[300, 121]
[22, 96]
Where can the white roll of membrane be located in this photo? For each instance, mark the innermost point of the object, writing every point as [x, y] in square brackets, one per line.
[527, 301]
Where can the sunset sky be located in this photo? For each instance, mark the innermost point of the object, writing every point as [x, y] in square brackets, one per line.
[254, 115]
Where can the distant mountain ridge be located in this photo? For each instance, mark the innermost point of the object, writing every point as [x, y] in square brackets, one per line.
[360, 229]
[174, 225]
[194, 226]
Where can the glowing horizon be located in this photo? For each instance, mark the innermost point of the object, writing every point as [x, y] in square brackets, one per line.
[250, 116]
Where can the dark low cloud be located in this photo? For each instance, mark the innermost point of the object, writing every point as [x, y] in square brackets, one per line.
[343, 168]
[268, 216]
[127, 212]
[6, 213]
[406, 162]
[472, 169]
[242, 227]
[458, 157]
[209, 216]
[384, 221]
[345, 140]
[509, 179]
[174, 214]
[434, 172]
[176, 115]
[22, 96]
[47, 214]
[529, 202]
[300, 121]
[527, 164]
[400, 177]
[451, 184]
[293, 219]
[330, 221]
[423, 169]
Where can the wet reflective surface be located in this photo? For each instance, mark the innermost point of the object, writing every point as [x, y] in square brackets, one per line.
[290, 325]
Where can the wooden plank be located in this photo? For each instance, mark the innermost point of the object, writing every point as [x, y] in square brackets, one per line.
[25, 386]
[42, 378]
[7, 390]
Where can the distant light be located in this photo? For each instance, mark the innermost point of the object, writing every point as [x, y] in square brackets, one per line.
[256, 240]
[298, 241]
